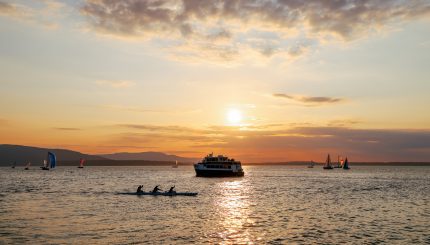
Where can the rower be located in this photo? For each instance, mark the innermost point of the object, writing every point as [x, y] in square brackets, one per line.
[139, 189]
[156, 189]
[171, 190]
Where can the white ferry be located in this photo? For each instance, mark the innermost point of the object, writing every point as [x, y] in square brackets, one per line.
[218, 166]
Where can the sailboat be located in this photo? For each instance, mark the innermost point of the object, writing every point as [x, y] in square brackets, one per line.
[14, 165]
[339, 162]
[312, 164]
[81, 163]
[51, 162]
[327, 164]
[346, 164]
[27, 167]
[176, 165]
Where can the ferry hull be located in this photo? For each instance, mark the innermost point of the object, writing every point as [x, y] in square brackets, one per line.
[217, 173]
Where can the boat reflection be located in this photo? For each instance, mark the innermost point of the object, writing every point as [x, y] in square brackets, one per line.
[234, 208]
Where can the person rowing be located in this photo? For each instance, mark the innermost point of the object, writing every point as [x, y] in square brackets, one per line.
[156, 189]
[139, 189]
[171, 190]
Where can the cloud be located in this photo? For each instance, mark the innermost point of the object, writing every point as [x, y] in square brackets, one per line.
[228, 30]
[343, 122]
[67, 129]
[47, 13]
[138, 109]
[266, 143]
[158, 128]
[308, 100]
[7, 9]
[116, 83]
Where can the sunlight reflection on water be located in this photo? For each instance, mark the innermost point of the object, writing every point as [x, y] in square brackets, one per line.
[234, 210]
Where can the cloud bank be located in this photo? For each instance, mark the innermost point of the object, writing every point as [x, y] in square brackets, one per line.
[285, 143]
[227, 30]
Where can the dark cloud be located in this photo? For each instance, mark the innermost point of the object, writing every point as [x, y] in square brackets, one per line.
[201, 23]
[267, 142]
[316, 142]
[6, 8]
[310, 100]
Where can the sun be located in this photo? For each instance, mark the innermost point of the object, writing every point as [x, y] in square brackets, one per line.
[234, 116]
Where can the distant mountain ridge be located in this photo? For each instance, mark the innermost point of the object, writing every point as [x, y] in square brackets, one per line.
[148, 156]
[24, 154]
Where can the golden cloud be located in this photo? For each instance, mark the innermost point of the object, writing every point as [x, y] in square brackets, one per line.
[231, 30]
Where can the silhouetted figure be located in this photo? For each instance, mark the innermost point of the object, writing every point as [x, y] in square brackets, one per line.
[139, 189]
[156, 189]
[171, 190]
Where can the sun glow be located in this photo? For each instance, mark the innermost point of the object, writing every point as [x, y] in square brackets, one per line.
[234, 116]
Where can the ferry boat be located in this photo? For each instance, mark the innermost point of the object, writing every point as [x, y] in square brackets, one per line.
[218, 166]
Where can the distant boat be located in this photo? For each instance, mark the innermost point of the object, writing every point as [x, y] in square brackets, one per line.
[339, 162]
[14, 165]
[81, 163]
[51, 162]
[327, 164]
[346, 164]
[312, 164]
[176, 165]
[27, 167]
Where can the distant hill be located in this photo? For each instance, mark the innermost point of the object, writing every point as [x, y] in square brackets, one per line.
[24, 154]
[148, 156]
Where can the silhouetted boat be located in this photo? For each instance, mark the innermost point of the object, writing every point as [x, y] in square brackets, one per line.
[218, 166]
[312, 164]
[176, 165]
[346, 164]
[339, 162]
[327, 164]
[14, 165]
[27, 167]
[81, 163]
[174, 193]
[50, 163]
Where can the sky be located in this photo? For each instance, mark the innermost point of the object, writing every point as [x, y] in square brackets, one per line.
[257, 80]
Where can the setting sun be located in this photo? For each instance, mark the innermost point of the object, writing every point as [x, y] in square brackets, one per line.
[234, 116]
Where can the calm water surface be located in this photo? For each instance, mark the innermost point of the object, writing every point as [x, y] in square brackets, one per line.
[271, 204]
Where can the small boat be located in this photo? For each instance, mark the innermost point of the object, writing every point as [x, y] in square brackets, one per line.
[27, 167]
[346, 164]
[327, 164]
[312, 164]
[159, 193]
[50, 163]
[176, 165]
[339, 162]
[14, 165]
[81, 163]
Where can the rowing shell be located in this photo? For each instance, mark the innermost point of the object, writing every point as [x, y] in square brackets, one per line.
[159, 193]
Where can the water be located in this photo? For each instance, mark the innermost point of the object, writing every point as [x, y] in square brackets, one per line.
[271, 204]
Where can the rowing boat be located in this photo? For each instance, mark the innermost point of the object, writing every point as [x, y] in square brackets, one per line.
[159, 193]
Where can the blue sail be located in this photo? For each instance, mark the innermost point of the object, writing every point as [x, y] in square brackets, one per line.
[346, 164]
[52, 160]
